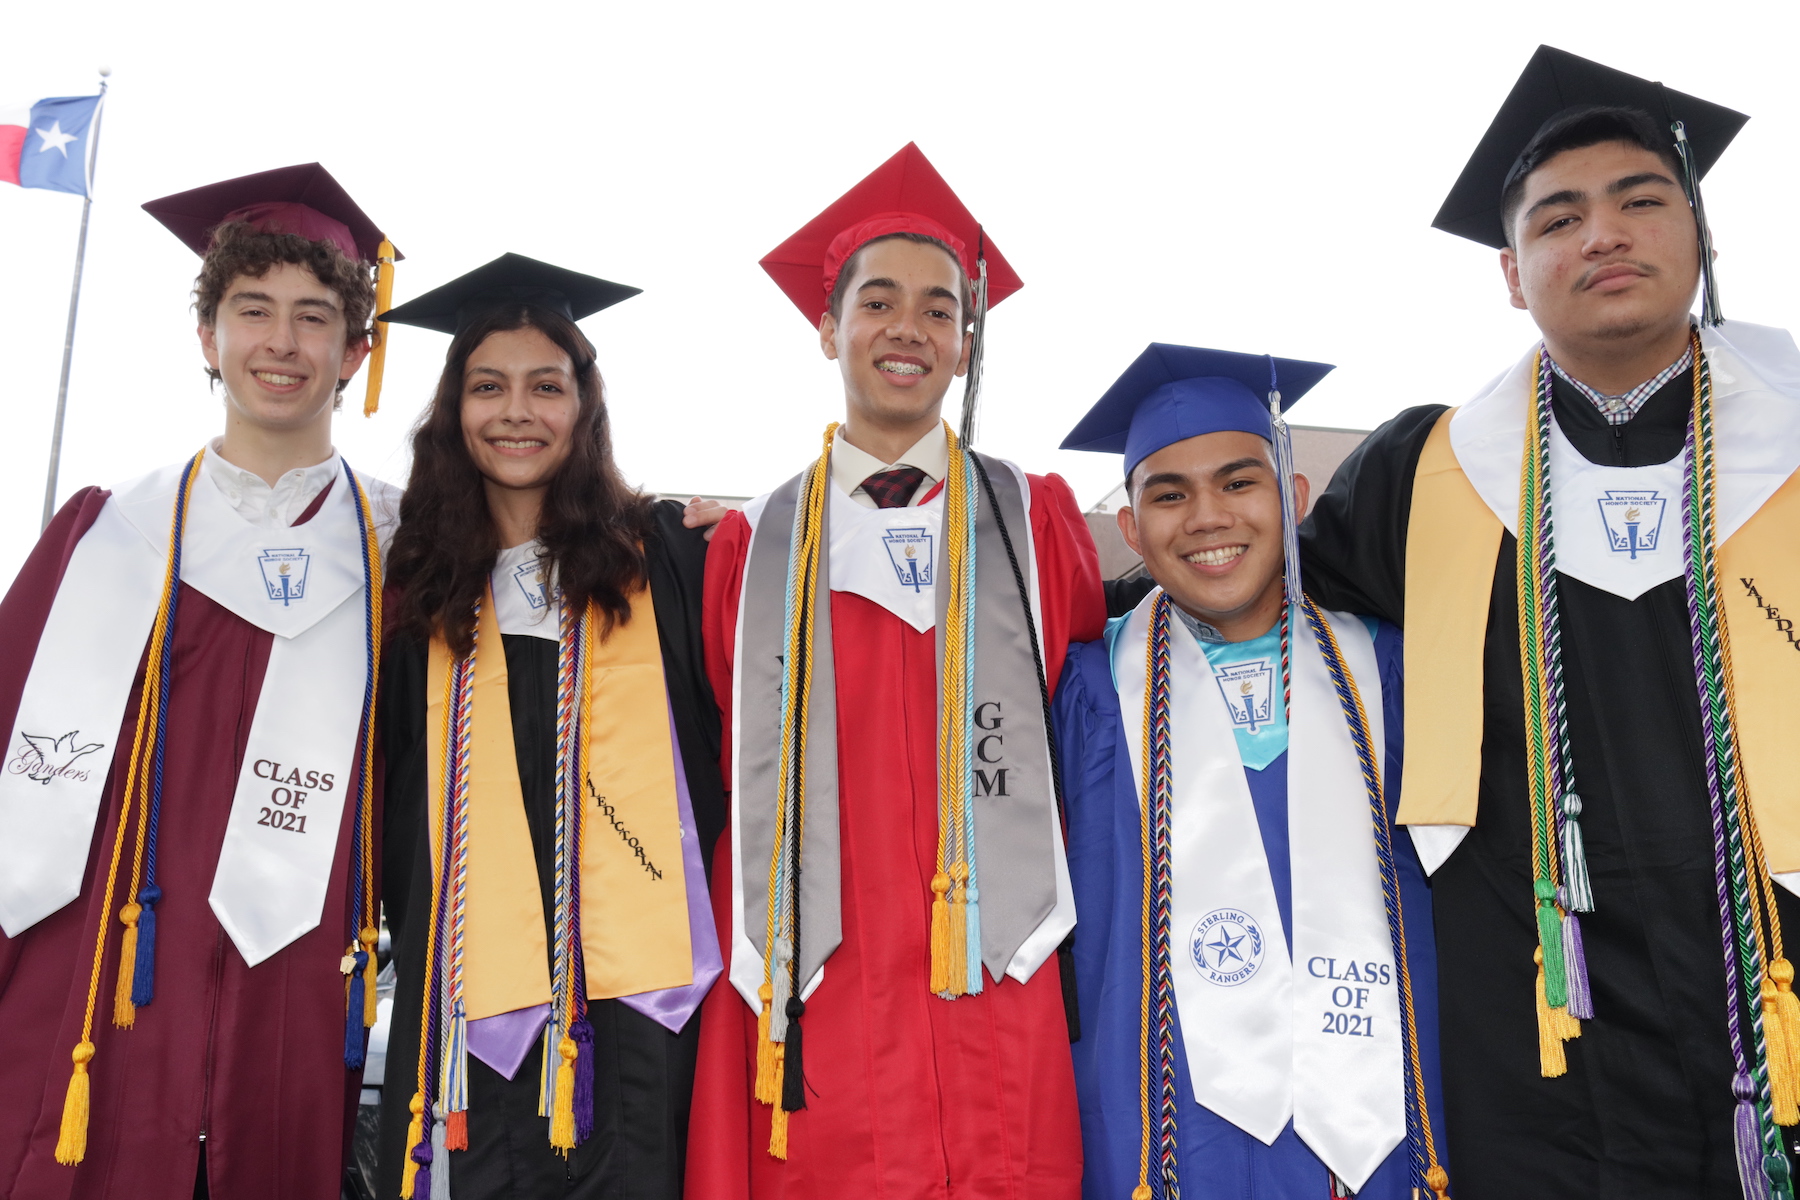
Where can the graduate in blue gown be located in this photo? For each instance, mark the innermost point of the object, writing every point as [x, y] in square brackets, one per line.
[1305, 1056]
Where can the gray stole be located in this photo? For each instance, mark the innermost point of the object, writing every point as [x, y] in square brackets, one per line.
[1013, 796]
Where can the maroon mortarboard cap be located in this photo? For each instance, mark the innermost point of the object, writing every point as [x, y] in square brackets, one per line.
[305, 200]
[905, 194]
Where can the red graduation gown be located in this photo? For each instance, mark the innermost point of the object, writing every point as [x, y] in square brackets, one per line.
[250, 1060]
[908, 1096]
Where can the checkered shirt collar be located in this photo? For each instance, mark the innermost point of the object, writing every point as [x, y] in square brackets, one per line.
[1619, 409]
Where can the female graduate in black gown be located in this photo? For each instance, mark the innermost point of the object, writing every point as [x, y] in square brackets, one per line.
[513, 465]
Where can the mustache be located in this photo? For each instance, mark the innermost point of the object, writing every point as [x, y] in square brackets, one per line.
[1587, 278]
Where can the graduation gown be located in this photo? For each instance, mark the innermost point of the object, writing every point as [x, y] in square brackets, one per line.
[908, 1096]
[643, 1074]
[245, 1063]
[1645, 1109]
[1218, 1161]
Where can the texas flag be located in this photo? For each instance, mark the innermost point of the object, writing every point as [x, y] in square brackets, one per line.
[45, 145]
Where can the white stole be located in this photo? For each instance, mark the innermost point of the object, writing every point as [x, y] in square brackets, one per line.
[304, 585]
[1266, 1041]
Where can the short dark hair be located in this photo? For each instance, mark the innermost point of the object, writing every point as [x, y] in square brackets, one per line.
[1575, 130]
[239, 249]
[963, 297]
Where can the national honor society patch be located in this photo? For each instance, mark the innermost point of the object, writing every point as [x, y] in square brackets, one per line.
[910, 552]
[1633, 520]
[284, 573]
[1248, 688]
[1227, 946]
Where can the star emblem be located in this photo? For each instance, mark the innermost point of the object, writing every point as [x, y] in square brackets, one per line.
[1226, 946]
[55, 139]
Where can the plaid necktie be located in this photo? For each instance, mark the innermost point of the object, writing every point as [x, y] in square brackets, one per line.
[892, 489]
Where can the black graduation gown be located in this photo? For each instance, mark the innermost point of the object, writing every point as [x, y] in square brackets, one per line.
[644, 1074]
[1645, 1110]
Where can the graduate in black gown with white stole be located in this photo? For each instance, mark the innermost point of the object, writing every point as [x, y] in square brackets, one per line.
[1606, 1029]
[553, 776]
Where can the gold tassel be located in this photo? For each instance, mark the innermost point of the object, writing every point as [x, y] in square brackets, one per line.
[414, 1132]
[768, 1058]
[1552, 1063]
[958, 963]
[1782, 972]
[562, 1121]
[1781, 1064]
[778, 1133]
[71, 1139]
[369, 937]
[124, 1011]
[1438, 1180]
[1141, 1192]
[384, 300]
[940, 933]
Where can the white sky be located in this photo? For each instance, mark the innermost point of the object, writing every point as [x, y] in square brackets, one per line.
[1252, 177]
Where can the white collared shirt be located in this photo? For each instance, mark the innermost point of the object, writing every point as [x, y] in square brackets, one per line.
[275, 507]
[850, 466]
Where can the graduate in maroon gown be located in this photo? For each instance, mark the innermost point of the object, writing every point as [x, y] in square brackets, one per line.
[892, 890]
[185, 818]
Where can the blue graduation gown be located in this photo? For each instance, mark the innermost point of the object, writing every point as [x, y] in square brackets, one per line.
[1218, 1161]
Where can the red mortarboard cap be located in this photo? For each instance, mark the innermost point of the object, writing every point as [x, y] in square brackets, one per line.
[305, 200]
[905, 194]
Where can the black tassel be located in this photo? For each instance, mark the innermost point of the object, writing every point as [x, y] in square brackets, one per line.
[793, 1070]
[1065, 962]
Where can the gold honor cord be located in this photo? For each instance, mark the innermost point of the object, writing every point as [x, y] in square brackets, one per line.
[71, 1141]
[780, 955]
[952, 972]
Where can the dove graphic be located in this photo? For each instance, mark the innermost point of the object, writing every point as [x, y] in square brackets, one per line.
[50, 758]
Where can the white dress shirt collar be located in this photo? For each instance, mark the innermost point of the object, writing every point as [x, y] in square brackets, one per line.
[275, 507]
[850, 466]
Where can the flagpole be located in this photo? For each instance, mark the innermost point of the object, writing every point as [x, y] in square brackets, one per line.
[62, 388]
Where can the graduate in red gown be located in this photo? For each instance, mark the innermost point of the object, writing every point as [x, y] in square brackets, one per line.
[895, 1022]
[216, 1057]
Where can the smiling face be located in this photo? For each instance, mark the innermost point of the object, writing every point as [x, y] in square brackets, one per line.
[519, 404]
[280, 343]
[899, 338]
[1603, 247]
[1206, 517]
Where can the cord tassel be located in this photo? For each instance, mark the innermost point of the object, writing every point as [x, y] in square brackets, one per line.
[1781, 1180]
[143, 976]
[124, 1011]
[1581, 996]
[767, 1087]
[1552, 1062]
[793, 1070]
[1747, 1140]
[71, 1139]
[1580, 889]
[1781, 1067]
[1782, 972]
[583, 1033]
[778, 1133]
[1550, 942]
[415, 1136]
[353, 1012]
[456, 1131]
[940, 934]
[956, 961]
[562, 1119]
[370, 999]
[973, 937]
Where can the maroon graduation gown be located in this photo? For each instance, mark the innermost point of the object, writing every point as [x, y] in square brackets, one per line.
[244, 1062]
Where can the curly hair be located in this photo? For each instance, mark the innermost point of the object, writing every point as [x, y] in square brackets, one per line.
[241, 250]
[593, 523]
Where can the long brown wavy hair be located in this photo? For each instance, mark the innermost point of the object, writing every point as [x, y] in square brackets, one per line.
[593, 523]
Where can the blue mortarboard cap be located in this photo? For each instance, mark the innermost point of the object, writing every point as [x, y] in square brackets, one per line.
[1172, 393]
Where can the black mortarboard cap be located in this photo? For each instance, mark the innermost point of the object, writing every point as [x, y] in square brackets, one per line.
[509, 279]
[303, 199]
[1554, 82]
